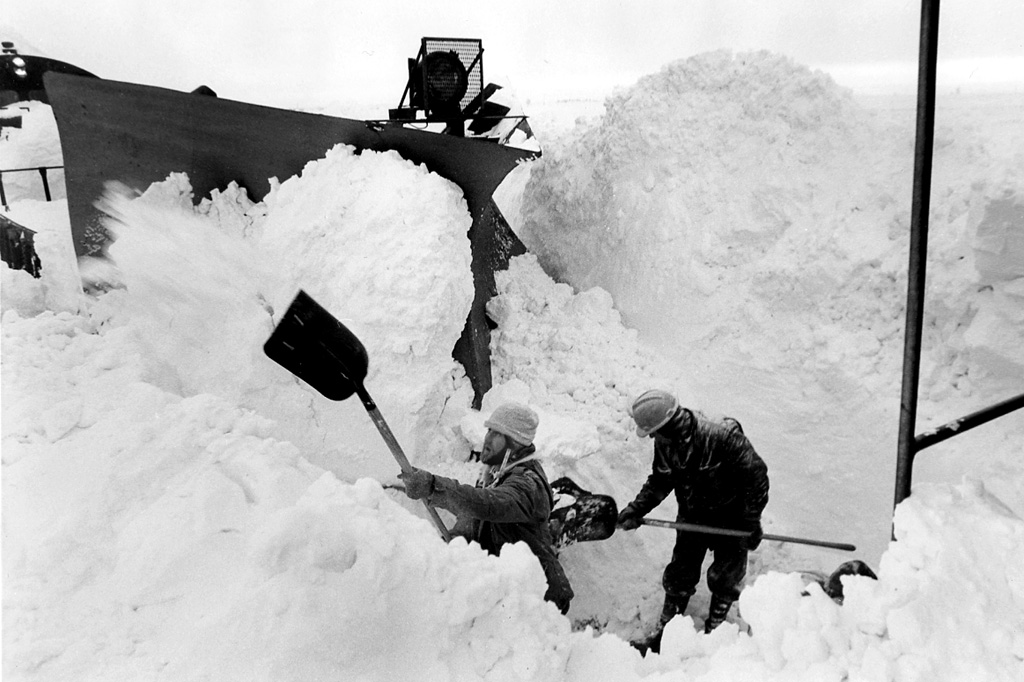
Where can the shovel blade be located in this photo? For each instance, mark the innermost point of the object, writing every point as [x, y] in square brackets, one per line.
[587, 518]
[316, 347]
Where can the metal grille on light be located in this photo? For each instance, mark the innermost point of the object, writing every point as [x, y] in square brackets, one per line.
[441, 74]
[445, 79]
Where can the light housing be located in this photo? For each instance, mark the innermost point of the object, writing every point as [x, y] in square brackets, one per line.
[21, 76]
[445, 77]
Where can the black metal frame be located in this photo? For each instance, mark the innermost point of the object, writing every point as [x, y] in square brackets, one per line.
[42, 173]
[909, 444]
[469, 52]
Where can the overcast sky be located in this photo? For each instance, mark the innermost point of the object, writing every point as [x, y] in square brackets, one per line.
[291, 52]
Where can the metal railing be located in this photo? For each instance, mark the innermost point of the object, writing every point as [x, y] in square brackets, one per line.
[964, 424]
[484, 123]
[42, 174]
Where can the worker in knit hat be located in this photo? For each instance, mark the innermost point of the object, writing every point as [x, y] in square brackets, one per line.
[512, 500]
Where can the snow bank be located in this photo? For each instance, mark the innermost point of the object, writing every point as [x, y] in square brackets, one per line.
[206, 283]
[161, 535]
[669, 183]
[174, 531]
[175, 537]
[199, 546]
[750, 219]
[31, 146]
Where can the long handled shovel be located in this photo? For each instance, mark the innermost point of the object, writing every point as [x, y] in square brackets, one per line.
[711, 530]
[316, 347]
[593, 517]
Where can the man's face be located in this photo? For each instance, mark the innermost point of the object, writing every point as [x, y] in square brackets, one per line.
[672, 435]
[666, 434]
[673, 431]
[494, 448]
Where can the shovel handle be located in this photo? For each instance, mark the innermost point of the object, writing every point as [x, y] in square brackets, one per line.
[711, 530]
[396, 450]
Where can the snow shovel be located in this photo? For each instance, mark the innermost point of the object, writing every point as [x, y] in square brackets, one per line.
[593, 517]
[316, 347]
[580, 516]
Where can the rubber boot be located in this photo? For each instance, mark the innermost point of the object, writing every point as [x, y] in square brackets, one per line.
[674, 605]
[717, 612]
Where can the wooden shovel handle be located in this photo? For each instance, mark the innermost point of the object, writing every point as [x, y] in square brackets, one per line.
[711, 530]
[399, 455]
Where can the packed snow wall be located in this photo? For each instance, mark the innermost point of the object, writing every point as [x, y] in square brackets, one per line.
[750, 218]
[205, 285]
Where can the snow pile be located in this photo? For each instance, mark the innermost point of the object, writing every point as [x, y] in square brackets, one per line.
[58, 286]
[750, 219]
[194, 290]
[30, 146]
[735, 189]
[998, 246]
[174, 531]
[207, 283]
[33, 148]
[957, 551]
[571, 350]
[691, 174]
[148, 533]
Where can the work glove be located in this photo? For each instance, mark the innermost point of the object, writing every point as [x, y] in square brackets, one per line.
[418, 483]
[629, 519]
[751, 542]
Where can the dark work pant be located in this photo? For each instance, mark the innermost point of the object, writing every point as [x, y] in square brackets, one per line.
[725, 575]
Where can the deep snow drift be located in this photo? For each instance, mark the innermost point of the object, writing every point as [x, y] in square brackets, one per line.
[177, 506]
[751, 220]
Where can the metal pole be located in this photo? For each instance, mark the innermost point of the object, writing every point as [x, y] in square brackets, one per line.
[953, 428]
[918, 244]
[46, 183]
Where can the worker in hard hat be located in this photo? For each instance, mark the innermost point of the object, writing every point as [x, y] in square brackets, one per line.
[719, 480]
[512, 500]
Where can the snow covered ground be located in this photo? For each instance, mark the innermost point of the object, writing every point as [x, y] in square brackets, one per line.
[733, 227]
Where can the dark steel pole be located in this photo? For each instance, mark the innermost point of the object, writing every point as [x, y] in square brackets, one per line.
[953, 428]
[927, 58]
[46, 183]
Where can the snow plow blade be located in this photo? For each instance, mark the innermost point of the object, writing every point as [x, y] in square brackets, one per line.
[139, 134]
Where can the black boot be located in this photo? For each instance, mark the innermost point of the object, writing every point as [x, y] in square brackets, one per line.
[674, 605]
[717, 612]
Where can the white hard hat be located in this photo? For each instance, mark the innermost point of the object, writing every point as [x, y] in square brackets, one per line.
[652, 410]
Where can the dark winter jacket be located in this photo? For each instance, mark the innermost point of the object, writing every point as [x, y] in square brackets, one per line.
[717, 476]
[515, 507]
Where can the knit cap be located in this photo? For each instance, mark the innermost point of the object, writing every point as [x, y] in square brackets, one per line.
[515, 420]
